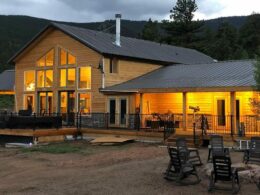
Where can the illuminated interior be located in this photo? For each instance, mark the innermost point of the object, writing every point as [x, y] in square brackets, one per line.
[49, 78]
[45, 102]
[29, 102]
[40, 78]
[84, 103]
[67, 58]
[44, 78]
[47, 60]
[85, 77]
[29, 80]
[67, 77]
[63, 77]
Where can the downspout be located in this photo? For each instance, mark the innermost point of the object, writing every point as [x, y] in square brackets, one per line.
[103, 73]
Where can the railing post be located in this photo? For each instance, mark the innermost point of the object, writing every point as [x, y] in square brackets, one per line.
[194, 133]
[232, 125]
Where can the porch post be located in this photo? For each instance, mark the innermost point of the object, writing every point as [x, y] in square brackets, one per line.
[233, 112]
[141, 110]
[184, 110]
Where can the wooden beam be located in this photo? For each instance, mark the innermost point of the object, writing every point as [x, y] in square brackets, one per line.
[233, 111]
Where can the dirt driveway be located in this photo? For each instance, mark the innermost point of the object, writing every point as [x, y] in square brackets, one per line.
[134, 168]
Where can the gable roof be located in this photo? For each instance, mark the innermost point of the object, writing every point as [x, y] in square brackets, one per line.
[7, 80]
[212, 75]
[130, 47]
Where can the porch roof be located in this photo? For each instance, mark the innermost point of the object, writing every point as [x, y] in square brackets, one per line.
[7, 79]
[226, 75]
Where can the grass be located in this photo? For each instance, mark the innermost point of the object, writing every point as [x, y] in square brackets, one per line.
[80, 147]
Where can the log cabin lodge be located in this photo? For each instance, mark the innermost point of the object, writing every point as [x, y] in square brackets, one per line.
[67, 69]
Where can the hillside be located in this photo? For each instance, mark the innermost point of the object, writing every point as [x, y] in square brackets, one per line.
[15, 31]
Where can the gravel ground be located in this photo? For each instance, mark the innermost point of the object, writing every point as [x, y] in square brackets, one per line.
[134, 168]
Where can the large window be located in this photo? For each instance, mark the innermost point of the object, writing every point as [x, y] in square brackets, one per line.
[84, 103]
[29, 80]
[67, 77]
[44, 78]
[46, 60]
[84, 78]
[66, 58]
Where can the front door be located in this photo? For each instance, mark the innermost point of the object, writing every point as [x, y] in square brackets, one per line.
[67, 106]
[117, 108]
[45, 102]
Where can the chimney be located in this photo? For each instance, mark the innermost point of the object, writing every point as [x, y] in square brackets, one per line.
[118, 28]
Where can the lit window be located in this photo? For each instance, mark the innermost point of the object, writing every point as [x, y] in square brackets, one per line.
[67, 58]
[71, 77]
[85, 78]
[29, 102]
[44, 78]
[29, 80]
[40, 78]
[49, 78]
[84, 103]
[67, 77]
[113, 65]
[47, 60]
[63, 77]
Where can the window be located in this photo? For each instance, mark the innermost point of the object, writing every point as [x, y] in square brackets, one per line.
[44, 78]
[67, 77]
[221, 112]
[85, 77]
[84, 103]
[113, 66]
[29, 80]
[46, 60]
[45, 102]
[67, 58]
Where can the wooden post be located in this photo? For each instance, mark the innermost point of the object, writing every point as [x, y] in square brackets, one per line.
[233, 113]
[141, 110]
[184, 110]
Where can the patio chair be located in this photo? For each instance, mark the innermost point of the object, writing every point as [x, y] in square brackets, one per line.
[222, 171]
[217, 147]
[193, 153]
[253, 153]
[180, 168]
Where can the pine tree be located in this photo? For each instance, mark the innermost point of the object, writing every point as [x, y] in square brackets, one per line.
[151, 31]
[257, 73]
[183, 30]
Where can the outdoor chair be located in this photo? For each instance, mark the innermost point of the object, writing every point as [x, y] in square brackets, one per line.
[222, 171]
[193, 153]
[253, 153]
[217, 147]
[180, 168]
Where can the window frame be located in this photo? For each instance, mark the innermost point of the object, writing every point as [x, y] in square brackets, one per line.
[78, 79]
[66, 82]
[67, 58]
[90, 104]
[44, 78]
[24, 80]
[113, 65]
[45, 59]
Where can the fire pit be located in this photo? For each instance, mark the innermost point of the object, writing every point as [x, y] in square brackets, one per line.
[248, 173]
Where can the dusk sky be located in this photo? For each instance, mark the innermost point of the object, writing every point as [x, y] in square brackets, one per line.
[99, 10]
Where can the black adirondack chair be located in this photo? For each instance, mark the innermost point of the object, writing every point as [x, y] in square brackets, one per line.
[253, 153]
[180, 168]
[193, 153]
[217, 147]
[222, 171]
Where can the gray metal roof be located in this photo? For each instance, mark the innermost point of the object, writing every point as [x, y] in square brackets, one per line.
[7, 80]
[130, 47]
[220, 74]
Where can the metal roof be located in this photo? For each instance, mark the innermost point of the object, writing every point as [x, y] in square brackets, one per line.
[130, 47]
[212, 75]
[7, 80]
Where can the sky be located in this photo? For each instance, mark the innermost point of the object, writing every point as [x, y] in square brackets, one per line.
[100, 10]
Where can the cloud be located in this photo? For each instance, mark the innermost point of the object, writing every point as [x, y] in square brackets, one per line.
[99, 10]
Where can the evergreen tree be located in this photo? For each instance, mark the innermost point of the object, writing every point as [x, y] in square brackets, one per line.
[183, 31]
[151, 31]
[257, 72]
[250, 35]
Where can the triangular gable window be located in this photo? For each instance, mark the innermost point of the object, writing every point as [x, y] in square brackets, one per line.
[66, 58]
[47, 59]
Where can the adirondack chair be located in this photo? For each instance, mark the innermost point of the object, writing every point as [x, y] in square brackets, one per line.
[180, 168]
[193, 153]
[222, 171]
[253, 153]
[217, 147]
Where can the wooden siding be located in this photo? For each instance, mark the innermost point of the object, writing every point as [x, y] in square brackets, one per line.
[84, 56]
[127, 70]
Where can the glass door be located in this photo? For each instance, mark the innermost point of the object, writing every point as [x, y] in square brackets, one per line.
[112, 111]
[45, 103]
[123, 111]
[67, 106]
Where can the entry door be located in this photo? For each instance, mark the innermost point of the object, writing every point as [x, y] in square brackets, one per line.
[237, 112]
[117, 108]
[45, 103]
[67, 106]
[221, 105]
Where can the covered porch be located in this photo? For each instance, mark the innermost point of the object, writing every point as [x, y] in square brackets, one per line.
[218, 112]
